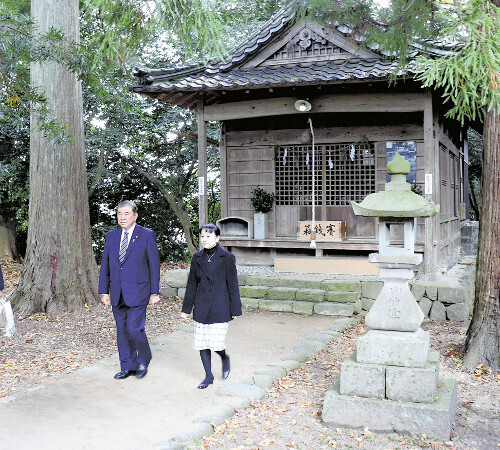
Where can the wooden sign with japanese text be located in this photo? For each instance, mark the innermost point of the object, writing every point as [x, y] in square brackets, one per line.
[326, 230]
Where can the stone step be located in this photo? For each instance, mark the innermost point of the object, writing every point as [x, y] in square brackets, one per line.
[302, 307]
[328, 285]
[308, 295]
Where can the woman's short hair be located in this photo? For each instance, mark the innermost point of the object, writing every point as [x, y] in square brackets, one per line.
[210, 227]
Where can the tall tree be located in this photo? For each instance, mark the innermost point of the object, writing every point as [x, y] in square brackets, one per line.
[482, 345]
[59, 272]
[470, 80]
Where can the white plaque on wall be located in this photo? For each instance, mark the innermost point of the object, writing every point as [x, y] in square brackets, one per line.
[428, 184]
[201, 186]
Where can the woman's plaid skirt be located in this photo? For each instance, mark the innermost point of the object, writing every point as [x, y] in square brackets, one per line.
[210, 336]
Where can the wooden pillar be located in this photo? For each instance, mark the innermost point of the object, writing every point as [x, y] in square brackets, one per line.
[224, 172]
[202, 163]
[431, 162]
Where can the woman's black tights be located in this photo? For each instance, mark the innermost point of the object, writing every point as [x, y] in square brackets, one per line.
[206, 359]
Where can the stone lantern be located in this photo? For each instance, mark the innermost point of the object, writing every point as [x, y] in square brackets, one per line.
[391, 382]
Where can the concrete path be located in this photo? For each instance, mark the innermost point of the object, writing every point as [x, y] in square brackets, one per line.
[89, 409]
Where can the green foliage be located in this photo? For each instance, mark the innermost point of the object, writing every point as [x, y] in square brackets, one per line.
[468, 72]
[20, 48]
[417, 189]
[261, 200]
[14, 179]
[119, 126]
[470, 78]
[475, 141]
[126, 130]
[392, 29]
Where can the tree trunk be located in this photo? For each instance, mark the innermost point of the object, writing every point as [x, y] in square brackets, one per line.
[8, 249]
[482, 345]
[60, 273]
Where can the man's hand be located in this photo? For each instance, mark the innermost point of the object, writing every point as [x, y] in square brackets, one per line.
[105, 299]
[184, 315]
[1, 293]
[154, 298]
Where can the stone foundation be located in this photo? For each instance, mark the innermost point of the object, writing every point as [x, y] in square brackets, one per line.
[382, 415]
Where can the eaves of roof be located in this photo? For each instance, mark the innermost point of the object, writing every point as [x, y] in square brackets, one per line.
[276, 76]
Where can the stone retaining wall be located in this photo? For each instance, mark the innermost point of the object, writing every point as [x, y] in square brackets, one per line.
[447, 297]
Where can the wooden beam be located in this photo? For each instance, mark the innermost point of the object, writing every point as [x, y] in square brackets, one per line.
[400, 103]
[283, 243]
[330, 135]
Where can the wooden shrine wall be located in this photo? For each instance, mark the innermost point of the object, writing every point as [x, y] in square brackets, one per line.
[248, 159]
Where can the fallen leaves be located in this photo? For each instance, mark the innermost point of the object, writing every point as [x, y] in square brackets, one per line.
[45, 348]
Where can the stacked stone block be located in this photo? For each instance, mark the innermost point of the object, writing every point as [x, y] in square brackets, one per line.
[374, 380]
[469, 237]
[443, 300]
[332, 297]
[447, 299]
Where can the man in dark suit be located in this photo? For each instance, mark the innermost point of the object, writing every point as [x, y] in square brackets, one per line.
[129, 280]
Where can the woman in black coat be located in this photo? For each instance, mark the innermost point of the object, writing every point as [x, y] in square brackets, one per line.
[213, 295]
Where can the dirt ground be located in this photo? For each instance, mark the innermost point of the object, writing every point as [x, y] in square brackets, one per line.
[289, 416]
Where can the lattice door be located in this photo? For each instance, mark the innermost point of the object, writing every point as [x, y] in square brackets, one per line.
[343, 173]
[350, 173]
[294, 175]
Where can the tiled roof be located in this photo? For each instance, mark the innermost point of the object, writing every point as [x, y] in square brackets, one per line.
[250, 46]
[179, 85]
[271, 76]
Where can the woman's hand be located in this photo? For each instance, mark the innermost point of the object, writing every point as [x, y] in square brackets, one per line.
[184, 315]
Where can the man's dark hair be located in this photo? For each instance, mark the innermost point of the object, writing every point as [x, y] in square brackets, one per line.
[127, 203]
[210, 227]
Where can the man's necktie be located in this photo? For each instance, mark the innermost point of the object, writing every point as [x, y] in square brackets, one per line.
[123, 246]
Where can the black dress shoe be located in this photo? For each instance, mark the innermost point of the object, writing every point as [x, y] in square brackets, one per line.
[141, 371]
[124, 374]
[226, 367]
[205, 383]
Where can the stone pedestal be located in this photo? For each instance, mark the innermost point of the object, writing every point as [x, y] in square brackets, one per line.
[395, 308]
[394, 348]
[383, 415]
[409, 384]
